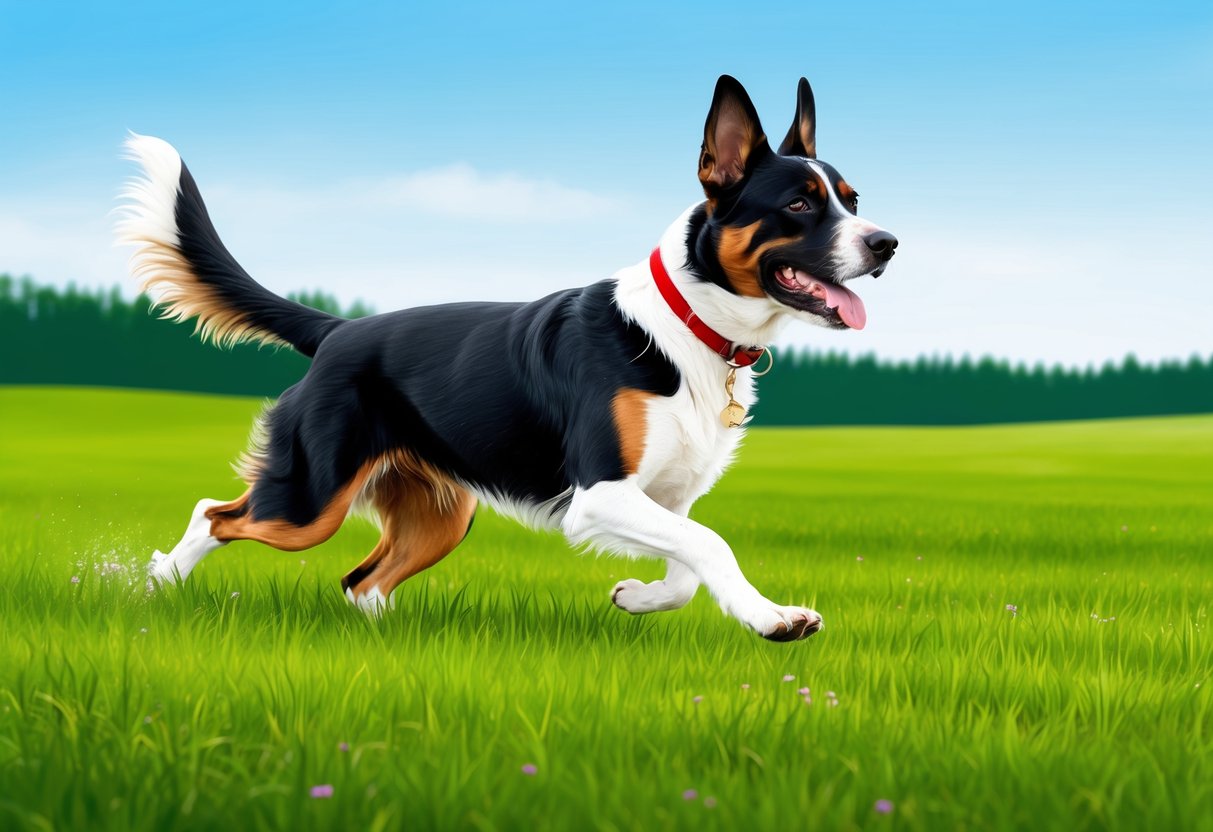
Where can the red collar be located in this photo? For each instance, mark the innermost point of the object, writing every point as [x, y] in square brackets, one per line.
[736, 355]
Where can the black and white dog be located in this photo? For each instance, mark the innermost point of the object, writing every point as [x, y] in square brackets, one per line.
[604, 411]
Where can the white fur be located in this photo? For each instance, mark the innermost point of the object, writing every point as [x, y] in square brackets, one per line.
[851, 255]
[539, 516]
[686, 446]
[147, 217]
[372, 602]
[194, 545]
[686, 449]
[674, 592]
[619, 516]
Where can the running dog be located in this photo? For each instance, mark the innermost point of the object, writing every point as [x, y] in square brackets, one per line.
[602, 411]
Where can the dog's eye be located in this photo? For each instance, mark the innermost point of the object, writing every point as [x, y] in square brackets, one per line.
[855, 203]
[798, 206]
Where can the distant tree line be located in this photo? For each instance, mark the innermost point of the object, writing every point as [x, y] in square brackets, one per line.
[96, 337]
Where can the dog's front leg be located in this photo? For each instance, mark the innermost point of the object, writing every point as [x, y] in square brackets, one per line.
[619, 517]
[671, 593]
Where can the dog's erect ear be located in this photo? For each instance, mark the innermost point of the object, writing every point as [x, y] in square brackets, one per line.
[732, 137]
[802, 137]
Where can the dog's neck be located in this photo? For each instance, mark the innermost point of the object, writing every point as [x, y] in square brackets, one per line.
[743, 320]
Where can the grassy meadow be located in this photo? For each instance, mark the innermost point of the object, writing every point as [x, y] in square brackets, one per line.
[1017, 637]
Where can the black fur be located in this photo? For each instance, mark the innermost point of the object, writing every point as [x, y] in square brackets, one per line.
[513, 398]
[772, 183]
[300, 326]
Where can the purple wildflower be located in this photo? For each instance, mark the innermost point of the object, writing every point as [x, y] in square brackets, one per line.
[804, 691]
[696, 699]
[690, 794]
[343, 746]
[530, 769]
[745, 685]
[323, 790]
[709, 803]
[859, 558]
[882, 806]
[1014, 610]
[789, 678]
[75, 579]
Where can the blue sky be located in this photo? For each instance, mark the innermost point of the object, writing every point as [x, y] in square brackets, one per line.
[1046, 167]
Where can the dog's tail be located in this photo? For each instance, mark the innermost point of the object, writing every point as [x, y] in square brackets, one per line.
[181, 262]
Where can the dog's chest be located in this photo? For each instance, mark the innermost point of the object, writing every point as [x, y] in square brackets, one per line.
[687, 447]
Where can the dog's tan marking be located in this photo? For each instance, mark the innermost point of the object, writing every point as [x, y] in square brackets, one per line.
[175, 289]
[806, 129]
[402, 463]
[739, 257]
[424, 515]
[736, 260]
[847, 194]
[630, 408]
[816, 188]
[730, 136]
[234, 520]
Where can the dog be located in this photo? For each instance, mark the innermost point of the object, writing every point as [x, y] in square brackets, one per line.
[602, 411]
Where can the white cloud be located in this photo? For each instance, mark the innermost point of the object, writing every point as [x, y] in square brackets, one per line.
[461, 191]
[59, 242]
[457, 191]
[986, 283]
[1055, 294]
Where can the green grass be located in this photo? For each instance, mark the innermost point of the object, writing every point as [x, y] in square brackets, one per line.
[204, 708]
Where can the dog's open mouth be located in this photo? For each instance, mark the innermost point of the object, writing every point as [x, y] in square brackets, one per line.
[832, 301]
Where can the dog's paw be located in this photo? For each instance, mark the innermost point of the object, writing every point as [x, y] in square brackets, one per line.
[372, 603]
[160, 568]
[631, 596]
[788, 623]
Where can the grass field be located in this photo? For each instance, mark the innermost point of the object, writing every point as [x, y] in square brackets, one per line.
[224, 703]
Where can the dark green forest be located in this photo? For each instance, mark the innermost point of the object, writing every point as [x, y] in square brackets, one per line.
[77, 337]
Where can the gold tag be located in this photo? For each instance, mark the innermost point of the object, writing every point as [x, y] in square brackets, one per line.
[733, 414]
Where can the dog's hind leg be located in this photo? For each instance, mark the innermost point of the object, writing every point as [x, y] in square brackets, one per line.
[214, 524]
[424, 516]
[194, 545]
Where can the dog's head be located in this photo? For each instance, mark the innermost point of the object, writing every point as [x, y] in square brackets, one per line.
[782, 225]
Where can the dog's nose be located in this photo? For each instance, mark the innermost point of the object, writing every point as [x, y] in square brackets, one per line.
[882, 244]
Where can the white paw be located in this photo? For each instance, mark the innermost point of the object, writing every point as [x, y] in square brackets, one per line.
[778, 623]
[638, 597]
[373, 603]
[631, 596]
[160, 568]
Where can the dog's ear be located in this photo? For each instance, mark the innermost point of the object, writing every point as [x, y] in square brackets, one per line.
[802, 137]
[732, 138]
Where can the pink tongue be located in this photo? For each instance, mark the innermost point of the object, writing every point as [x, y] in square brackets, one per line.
[847, 303]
